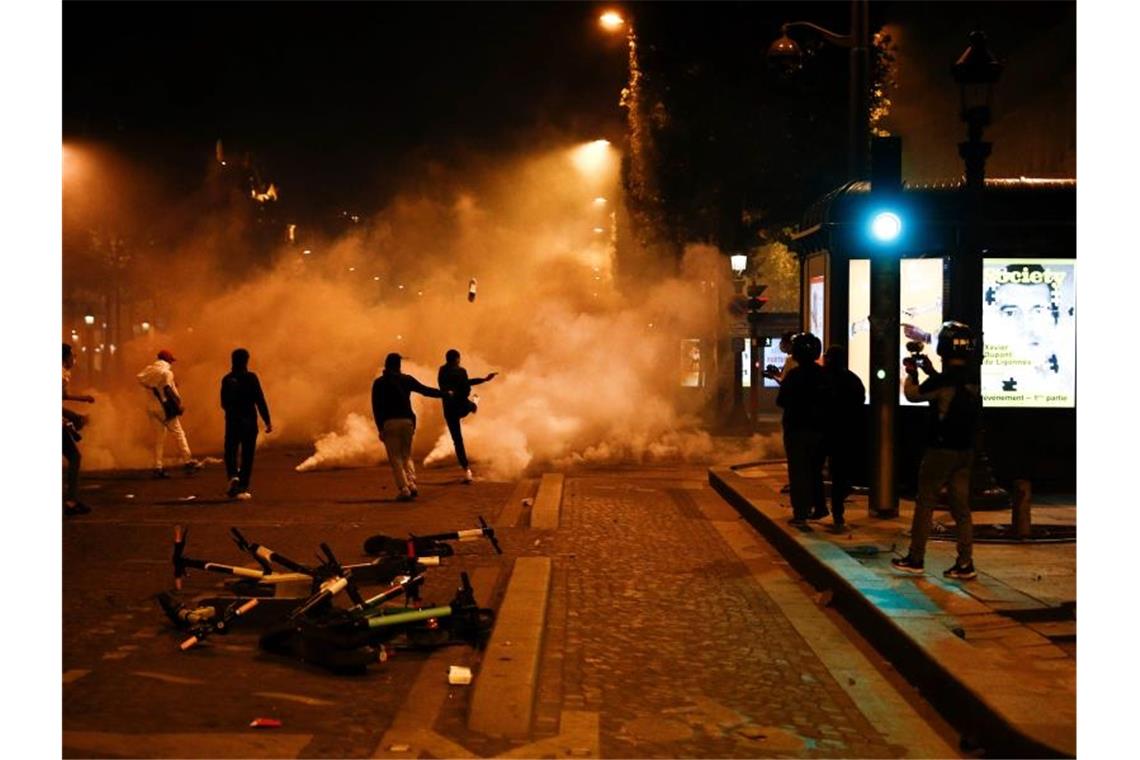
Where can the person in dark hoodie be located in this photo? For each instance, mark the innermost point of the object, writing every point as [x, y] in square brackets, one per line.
[845, 425]
[242, 400]
[804, 397]
[456, 388]
[396, 422]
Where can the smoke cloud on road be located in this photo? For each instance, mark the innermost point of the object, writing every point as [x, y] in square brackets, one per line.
[587, 374]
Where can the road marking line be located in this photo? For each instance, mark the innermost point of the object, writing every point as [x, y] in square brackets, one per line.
[545, 514]
[578, 736]
[313, 701]
[167, 678]
[503, 701]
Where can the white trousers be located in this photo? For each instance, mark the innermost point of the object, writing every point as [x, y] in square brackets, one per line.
[161, 426]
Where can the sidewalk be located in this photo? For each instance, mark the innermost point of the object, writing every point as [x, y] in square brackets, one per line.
[997, 655]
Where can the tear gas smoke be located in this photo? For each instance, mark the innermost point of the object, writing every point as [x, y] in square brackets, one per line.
[587, 374]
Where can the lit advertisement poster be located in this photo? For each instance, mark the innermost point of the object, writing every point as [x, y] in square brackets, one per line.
[815, 302]
[920, 315]
[692, 375]
[1029, 323]
[746, 364]
[773, 357]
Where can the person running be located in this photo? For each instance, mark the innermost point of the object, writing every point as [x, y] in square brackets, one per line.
[955, 413]
[164, 407]
[396, 422]
[72, 422]
[457, 404]
[844, 428]
[242, 401]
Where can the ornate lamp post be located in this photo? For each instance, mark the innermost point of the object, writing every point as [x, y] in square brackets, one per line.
[976, 71]
[785, 55]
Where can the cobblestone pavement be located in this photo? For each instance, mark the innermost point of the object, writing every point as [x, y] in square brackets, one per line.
[654, 624]
[670, 639]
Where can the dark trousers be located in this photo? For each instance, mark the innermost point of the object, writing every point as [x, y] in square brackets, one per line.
[841, 455]
[952, 468]
[805, 453]
[71, 453]
[240, 434]
[456, 429]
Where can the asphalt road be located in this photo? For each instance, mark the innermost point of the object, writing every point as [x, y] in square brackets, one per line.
[672, 629]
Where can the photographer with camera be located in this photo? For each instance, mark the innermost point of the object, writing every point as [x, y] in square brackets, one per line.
[72, 422]
[956, 407]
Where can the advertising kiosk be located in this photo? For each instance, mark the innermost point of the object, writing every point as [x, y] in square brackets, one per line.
[1028, 286]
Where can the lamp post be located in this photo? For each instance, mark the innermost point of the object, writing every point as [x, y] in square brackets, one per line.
[976, 71]
[785, 54]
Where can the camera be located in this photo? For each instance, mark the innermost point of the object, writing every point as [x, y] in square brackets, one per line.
[916, 348]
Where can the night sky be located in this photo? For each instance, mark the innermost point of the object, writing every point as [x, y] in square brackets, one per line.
[342, 98]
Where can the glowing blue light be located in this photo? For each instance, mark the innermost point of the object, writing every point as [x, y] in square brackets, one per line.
[881, 374]
[886, 226]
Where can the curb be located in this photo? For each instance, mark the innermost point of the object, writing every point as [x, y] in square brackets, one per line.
[920, 657]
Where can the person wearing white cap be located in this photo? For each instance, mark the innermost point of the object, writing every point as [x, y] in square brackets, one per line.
[164, 407]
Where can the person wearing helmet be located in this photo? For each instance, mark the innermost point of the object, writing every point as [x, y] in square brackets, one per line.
[956, 406]
[804, 398]
[164, 407]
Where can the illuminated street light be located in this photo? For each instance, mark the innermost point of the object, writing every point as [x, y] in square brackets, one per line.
[611, 21]
[738, 262]
[89, 319]
[886, 226]
[306, 252]
[145, 326]
[591, 158]
[599, 201]
[599, 230]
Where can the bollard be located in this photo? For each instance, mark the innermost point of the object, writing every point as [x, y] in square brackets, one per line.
[1022, 519]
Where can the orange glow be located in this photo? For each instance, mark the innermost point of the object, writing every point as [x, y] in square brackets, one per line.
[592, 157]
[611, 21]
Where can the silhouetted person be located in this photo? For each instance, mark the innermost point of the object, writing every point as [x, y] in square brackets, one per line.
[955, 412]
[844, 435]
[164, 407]
[804, 397]
[396, 422]
[242, 400]
[457, 403]
[72, 422]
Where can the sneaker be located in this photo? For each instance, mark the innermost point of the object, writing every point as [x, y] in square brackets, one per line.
[234, 489]
[907, 565]
[160, 474]
[192, 466]
[405, 496]
[798, 522]
[414, 491]
[468, 478]
[244, 496]
[961, 572]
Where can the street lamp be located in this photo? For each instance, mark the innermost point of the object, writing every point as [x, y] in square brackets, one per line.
[738, 262]
[784, 55]
[976, 71]
[611, 21]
